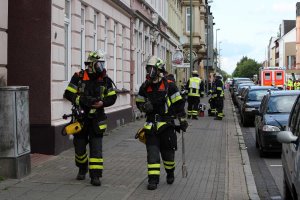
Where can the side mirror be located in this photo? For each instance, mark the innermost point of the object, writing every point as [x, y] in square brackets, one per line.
[286, 137]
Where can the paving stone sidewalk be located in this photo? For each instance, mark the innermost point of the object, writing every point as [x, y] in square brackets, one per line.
[217, 162]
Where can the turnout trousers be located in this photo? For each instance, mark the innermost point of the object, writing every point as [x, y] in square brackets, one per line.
[219, 106]
[164, 144]
[94, 161]
[193, 103]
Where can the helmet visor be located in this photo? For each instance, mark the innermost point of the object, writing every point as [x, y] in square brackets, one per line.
[99, 66]
[151, 71]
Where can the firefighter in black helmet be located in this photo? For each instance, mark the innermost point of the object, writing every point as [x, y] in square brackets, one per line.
[92, 90]
[219, 97]
[160, 100]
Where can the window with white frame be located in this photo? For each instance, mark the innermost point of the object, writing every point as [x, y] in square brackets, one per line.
[105, 34]
[187, 19]
[67, 45]
[122, 56]
[82, 37]
[115, 53]
[95, 27]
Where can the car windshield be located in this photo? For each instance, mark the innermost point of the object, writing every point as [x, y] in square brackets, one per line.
[257, 95]
[281, 104]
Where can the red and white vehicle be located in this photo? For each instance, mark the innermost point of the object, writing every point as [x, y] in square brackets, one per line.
[272, 76]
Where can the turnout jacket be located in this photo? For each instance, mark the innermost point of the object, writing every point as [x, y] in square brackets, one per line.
[165, 99]
[195, 87]
[219, 88]
[95, 87]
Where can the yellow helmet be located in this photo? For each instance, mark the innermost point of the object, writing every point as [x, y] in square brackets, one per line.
[141, 135]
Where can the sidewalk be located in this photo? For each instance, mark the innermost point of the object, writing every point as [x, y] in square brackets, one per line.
[216, 158]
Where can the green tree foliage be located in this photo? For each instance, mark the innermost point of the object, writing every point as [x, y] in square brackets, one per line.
[225, 75]
[246, 67]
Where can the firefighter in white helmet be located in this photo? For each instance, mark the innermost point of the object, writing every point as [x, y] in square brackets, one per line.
[194, 89]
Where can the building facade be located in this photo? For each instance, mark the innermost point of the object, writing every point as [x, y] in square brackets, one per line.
[3, 41]
[56, 38]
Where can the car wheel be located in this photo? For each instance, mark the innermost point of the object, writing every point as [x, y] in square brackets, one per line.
[286, 190]
[256, 142]
[261, 152]
[244, 122]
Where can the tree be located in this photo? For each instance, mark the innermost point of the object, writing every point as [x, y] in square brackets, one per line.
[246, 67]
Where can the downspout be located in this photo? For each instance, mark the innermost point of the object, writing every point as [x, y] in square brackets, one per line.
[132, 64]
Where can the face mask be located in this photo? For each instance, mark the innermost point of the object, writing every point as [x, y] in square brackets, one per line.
[151, 72]
[99, 67]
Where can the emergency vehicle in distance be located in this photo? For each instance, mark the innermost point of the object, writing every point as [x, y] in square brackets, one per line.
[272, 76]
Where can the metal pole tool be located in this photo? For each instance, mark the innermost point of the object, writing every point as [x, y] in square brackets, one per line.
[183, 168]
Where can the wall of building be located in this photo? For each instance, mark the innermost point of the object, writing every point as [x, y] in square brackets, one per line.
[289, 37]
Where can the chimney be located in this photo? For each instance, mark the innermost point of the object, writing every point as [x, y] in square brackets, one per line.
[298, 35]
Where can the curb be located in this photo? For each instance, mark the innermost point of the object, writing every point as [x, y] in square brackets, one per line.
[251, 186]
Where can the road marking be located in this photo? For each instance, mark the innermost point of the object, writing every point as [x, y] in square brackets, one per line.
[275, 165]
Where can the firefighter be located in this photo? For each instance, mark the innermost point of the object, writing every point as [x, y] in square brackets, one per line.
[290, 84]
[92, 90]
[195, 89]
[297, 85]
[219, 96]
[212, 111]
[160, 99]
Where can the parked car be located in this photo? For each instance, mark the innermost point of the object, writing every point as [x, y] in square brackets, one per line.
[251, 101]
[273, 117]
[234, 81]
[291, 153]
[237, 92]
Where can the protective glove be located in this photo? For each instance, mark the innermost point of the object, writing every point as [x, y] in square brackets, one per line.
[86, 101]
[183, 124]
[148, 107]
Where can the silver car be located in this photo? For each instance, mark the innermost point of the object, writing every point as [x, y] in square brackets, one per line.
[291, 153]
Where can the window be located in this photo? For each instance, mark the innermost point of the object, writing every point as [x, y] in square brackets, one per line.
[187, 19]
[95, 31]
[105, 34]
[82, 38]
[122, 55]
[278, 75]
[294, 115]
[268, 76]
[115, 52]
[67, 45]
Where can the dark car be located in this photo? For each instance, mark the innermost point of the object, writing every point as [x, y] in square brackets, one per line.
[237, 93]
[234, 81]
[251, 101]
[273, 117]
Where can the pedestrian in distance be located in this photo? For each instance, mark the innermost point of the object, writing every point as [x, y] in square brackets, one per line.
[91, 90]
[194, 89]
[160, 100]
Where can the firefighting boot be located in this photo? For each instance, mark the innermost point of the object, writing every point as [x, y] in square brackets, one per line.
[95, 181]
[195, 117]
[152, 183]
[81, 174]
[170, 178]
[218, 118]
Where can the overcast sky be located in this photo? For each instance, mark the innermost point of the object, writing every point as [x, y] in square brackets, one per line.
[246, 27]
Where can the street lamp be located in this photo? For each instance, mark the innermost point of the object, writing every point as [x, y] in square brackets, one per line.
[191, 39]
[209, 25]
[219, 54]
[217, 46]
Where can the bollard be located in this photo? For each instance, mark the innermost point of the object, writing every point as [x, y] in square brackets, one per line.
[14, 132]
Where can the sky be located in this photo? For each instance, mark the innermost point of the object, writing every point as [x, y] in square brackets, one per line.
[246, 27]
